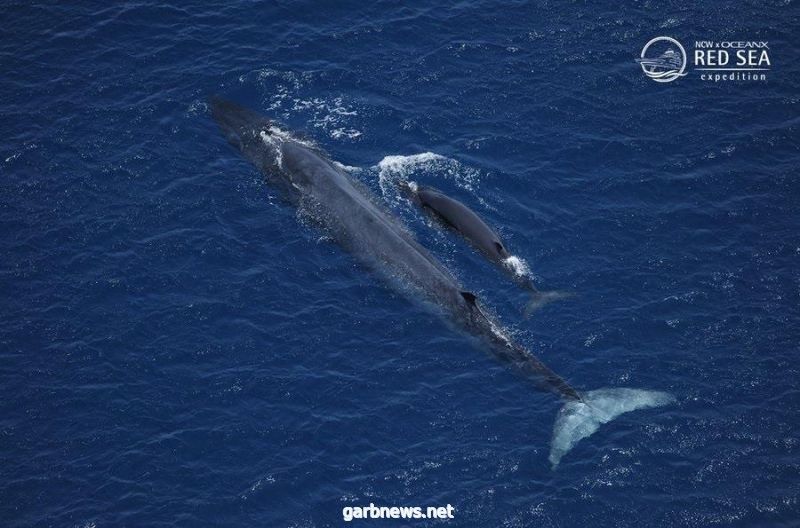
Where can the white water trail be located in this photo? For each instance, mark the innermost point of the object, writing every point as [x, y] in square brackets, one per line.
[396, 168]
[518, 266]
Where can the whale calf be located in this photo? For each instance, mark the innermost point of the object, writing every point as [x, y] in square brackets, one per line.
[352, 216]
[466, 222]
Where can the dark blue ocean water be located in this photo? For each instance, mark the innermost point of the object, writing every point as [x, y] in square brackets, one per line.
[180, 349]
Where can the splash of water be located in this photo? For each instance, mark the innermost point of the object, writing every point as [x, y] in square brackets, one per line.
[400, 168]
[273, 142]
[518, 266]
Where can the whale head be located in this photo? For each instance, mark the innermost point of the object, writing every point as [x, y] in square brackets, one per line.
[257, 137]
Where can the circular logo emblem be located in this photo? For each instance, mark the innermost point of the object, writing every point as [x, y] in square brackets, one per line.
[663, 59]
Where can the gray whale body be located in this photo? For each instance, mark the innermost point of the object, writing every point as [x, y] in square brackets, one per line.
[465, 221]
[356, 221]
[473, 229]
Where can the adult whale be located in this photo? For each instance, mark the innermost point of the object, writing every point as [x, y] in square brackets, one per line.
[352, 216]
[473, 229]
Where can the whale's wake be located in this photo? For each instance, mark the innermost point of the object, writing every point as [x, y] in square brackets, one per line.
[392, 169]
[518, 266]
[580, 419]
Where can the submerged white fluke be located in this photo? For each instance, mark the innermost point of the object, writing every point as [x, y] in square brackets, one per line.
[578, 420]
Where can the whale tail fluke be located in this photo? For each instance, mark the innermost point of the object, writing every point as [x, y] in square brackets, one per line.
[540, 298]
[580, 419]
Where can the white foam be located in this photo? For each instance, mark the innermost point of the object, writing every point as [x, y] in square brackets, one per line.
[274, 142]
[349, 133]
[284, 135]
[393, 168]
[347, 168]
[331, 115]
[518, 266]
[274, 137]
[404, 165]
[197, 107]
[290, 95]
[579, 420]
[26, 146]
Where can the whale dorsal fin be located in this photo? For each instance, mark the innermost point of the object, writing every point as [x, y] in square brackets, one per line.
[499, 247]
[470, 298]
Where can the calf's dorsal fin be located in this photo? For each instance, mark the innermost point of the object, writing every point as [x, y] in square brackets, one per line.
[470, 298]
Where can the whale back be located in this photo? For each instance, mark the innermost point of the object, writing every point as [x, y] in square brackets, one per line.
[464, 220]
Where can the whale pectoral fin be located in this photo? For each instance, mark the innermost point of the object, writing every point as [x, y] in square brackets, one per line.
[470, 298]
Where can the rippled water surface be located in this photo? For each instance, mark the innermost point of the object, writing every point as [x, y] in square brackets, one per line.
[179, 348]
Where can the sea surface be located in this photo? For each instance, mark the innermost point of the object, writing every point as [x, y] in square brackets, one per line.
[178, 347]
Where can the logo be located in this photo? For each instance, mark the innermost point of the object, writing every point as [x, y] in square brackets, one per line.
[663, 59]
